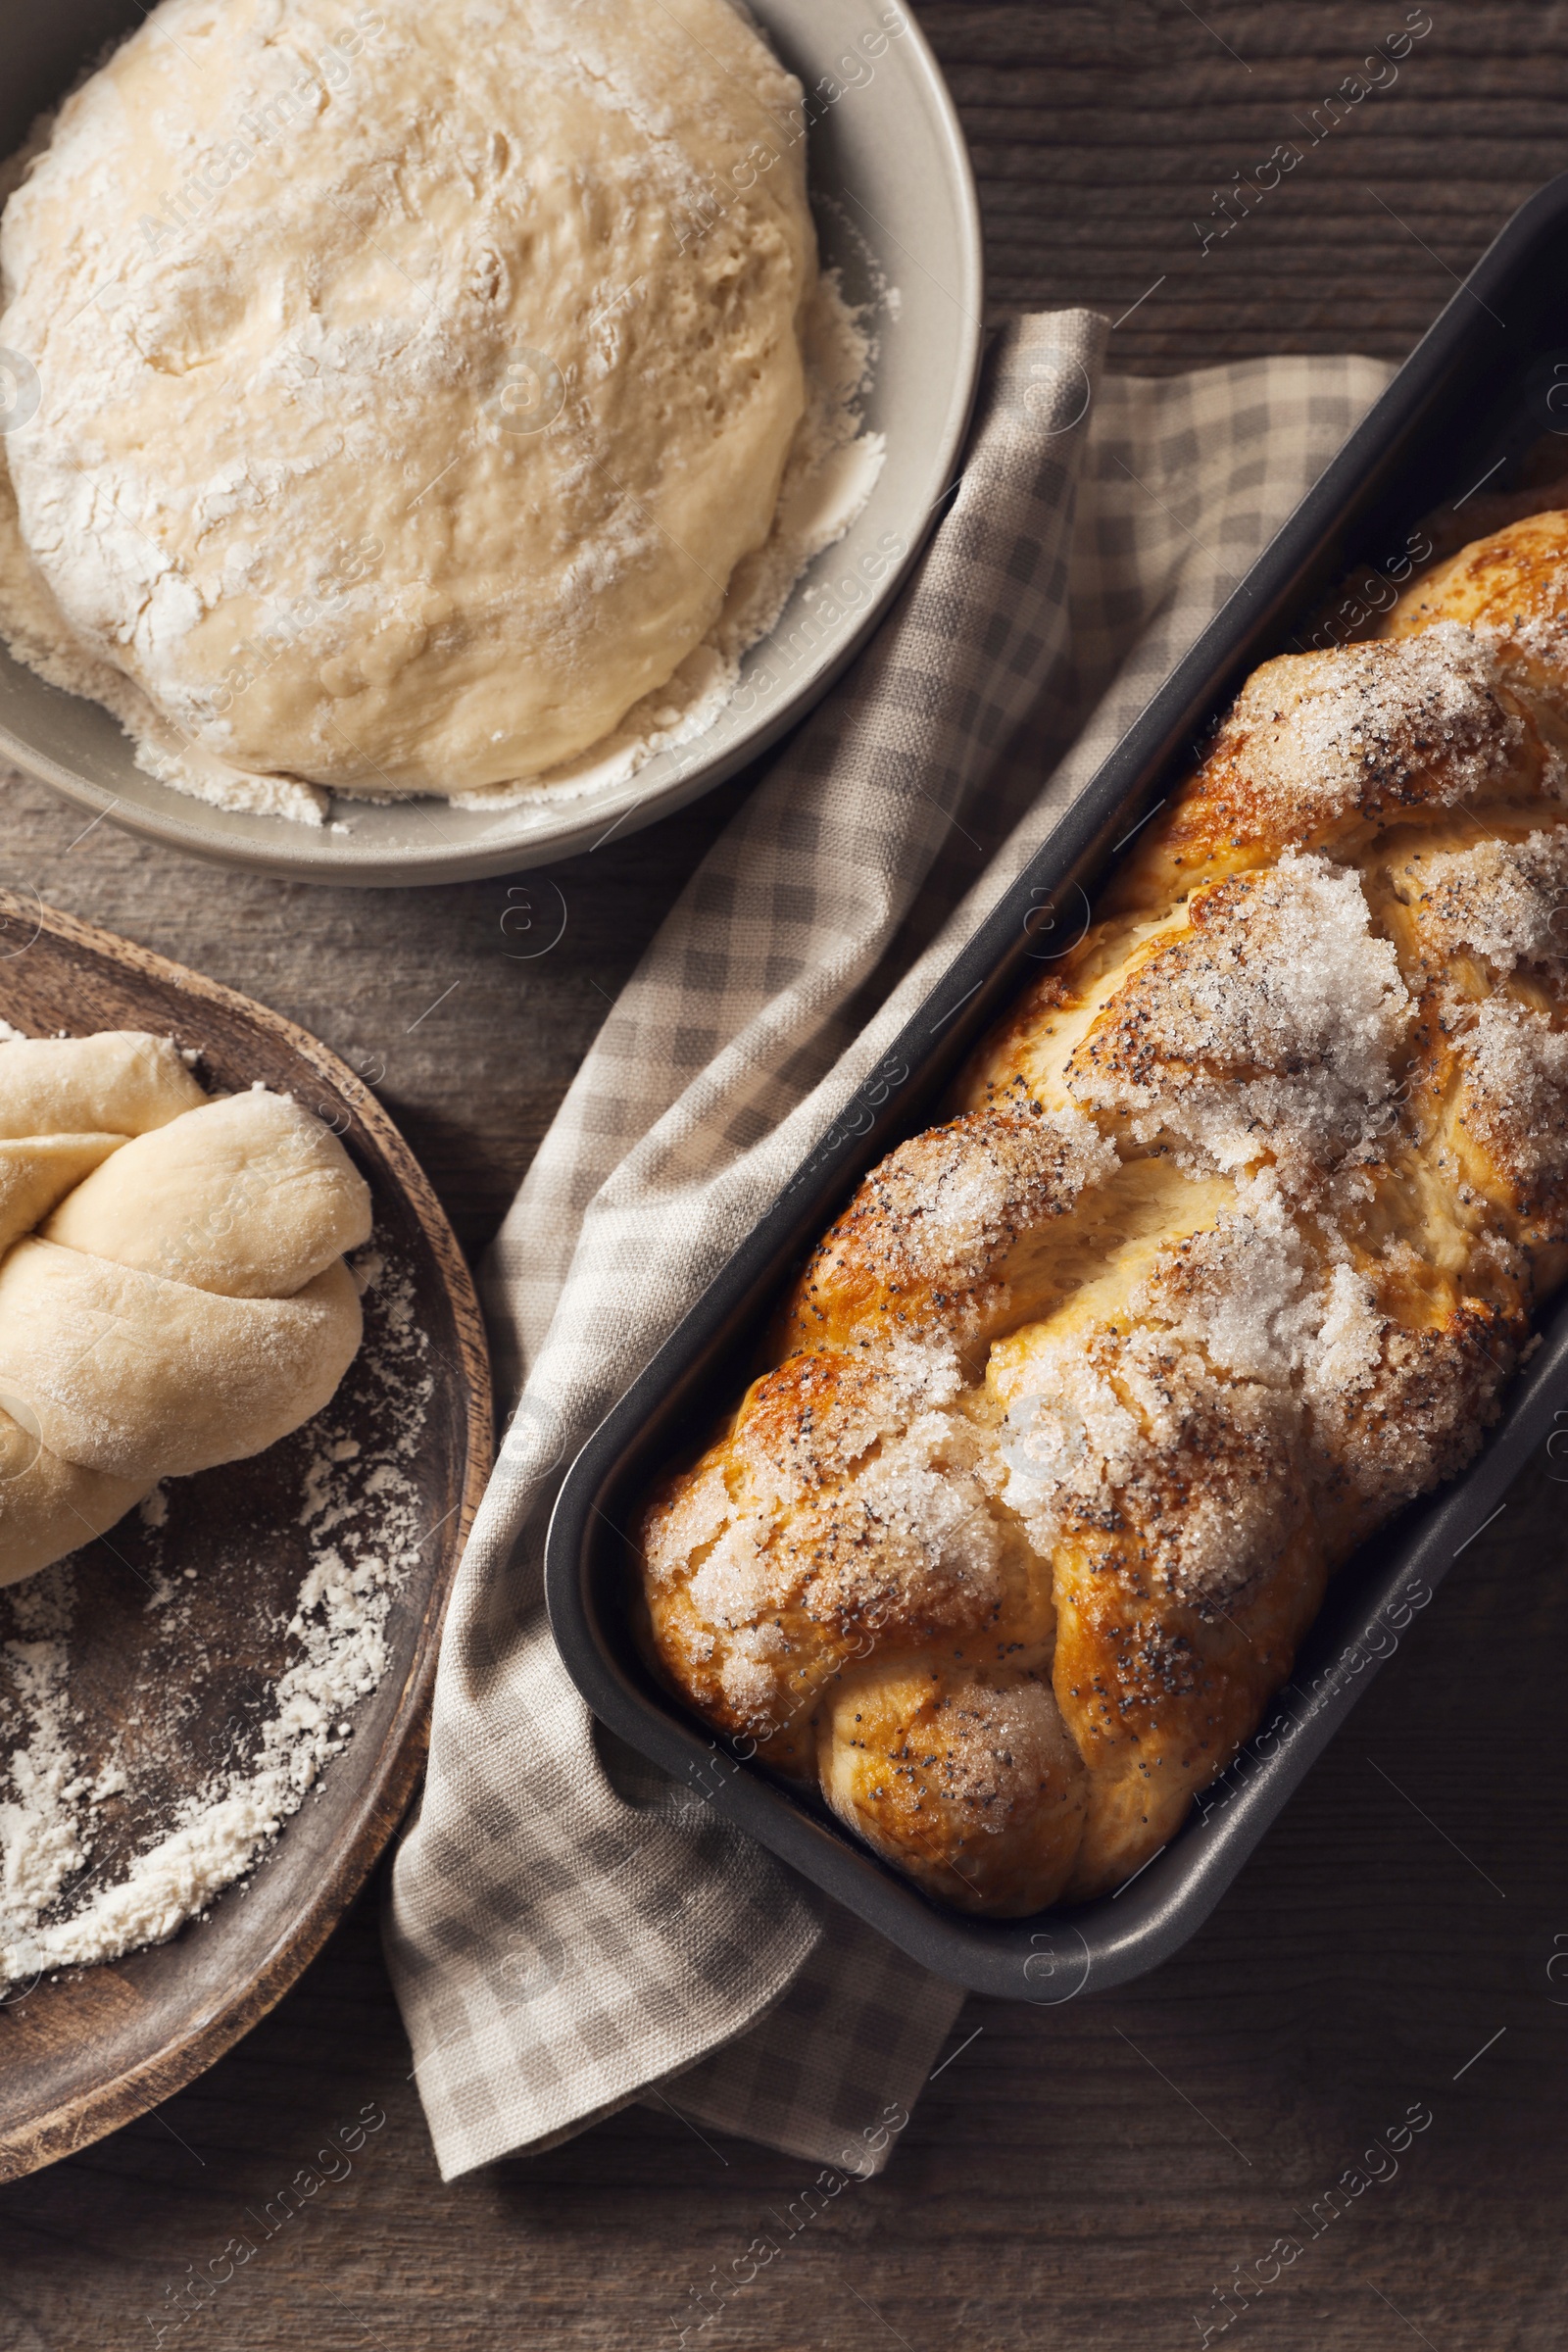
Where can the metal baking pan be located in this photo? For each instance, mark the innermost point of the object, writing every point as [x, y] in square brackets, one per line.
[1483, 384]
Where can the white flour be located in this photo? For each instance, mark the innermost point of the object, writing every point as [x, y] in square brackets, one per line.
[96, 1857]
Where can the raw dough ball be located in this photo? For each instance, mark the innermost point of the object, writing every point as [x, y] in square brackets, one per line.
[250, 1196]
[411, 386]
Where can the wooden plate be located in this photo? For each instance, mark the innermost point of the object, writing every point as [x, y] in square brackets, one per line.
[83, 2052]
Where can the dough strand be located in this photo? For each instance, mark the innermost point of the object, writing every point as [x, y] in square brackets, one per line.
[172, 1289]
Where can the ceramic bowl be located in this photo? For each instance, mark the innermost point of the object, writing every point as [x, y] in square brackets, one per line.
[896, 213]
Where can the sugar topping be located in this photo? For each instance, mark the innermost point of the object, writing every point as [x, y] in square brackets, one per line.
[1392, 1409]
[996, 1750]
[737, 1581]
[932, 1516]
[959, 1195]
[909, 1527]
[750, 1673]
[1367, 729]
[1516, 1096]
[1068, 1436]
[1244, 1290]
[1541, 636]
[1268, 1029]
[1130, 1430]
[1507, 899]
[1247, 1348]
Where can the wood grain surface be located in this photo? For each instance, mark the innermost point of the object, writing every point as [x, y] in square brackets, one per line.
[1085, 2177]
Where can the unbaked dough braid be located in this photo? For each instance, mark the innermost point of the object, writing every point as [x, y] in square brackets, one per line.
[1230, 1249]
[172, 1293]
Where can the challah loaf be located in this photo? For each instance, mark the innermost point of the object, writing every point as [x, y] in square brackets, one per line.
[173, 1290]
[1230, 1249]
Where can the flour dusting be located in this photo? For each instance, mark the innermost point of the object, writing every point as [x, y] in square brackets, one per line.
[111, 1841]
[832, 470]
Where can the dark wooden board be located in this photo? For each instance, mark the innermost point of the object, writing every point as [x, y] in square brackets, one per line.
[83, 2051]
[1065, 2183]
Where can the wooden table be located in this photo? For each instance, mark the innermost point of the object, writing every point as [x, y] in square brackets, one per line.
[1078, 2177]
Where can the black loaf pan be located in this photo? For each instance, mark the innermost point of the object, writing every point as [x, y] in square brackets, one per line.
[1484, 383]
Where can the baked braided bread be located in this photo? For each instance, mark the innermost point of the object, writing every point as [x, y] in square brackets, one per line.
[1230, 1250]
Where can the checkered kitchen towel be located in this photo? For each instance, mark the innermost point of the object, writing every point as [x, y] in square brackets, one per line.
[567, 1930]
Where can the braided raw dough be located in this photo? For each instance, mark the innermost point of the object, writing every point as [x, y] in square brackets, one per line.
[1230, 1250]
[172, 1293]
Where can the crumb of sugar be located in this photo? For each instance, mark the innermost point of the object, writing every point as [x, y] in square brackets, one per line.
[1269, 1028]
[1348, 1340]
[1504, 899]
[1517, 1072]
[364, 1531]
[1374, 725]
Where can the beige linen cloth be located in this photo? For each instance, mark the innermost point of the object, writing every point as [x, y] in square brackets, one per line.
[567, 1930]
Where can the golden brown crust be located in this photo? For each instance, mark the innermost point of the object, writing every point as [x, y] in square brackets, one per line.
[1512, 580]
[1511, 590]
[924, 1244]
[1319, 750]
[1230, 1250]
[973, 1787]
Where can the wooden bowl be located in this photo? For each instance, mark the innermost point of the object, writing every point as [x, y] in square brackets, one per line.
[177, 1693]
